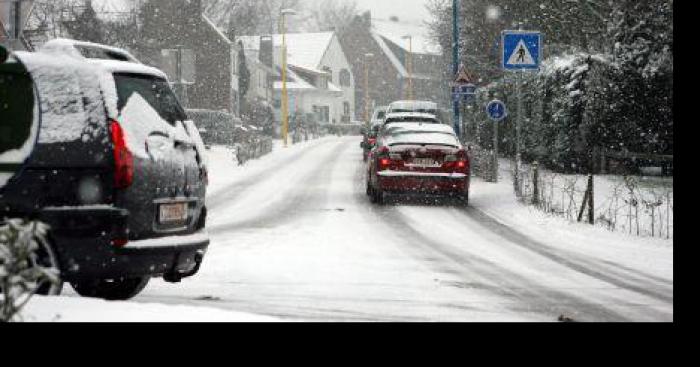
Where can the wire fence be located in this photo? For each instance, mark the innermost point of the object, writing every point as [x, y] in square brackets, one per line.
[641, 206]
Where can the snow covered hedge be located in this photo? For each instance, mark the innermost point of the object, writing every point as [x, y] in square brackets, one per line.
[579, 103]
[21, 272]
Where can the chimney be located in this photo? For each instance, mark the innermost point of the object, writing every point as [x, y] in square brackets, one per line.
[266, 55]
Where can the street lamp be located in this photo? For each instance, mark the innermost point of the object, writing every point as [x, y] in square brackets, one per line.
[368, 57]
[285, 96]
[409, 64]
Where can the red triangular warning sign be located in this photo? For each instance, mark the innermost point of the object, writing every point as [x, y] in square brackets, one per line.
[463, 76]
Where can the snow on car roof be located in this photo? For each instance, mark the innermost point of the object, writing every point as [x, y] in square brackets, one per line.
[409, 115]
[418, 128]
[421, 134]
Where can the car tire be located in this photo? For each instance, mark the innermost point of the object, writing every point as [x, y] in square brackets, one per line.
[379, 197]
[111, 290]
[464, 200]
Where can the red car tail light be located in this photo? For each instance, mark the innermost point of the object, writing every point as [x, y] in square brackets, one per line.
[384, 163]
[123, 158]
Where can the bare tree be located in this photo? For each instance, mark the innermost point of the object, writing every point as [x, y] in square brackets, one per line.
[253, 17]
[332, 15]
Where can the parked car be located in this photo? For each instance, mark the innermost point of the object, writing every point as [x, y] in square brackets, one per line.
[378, 115]
[426, 107]
[369, 140]
[117, 170]
[410, 117]
[418, 159]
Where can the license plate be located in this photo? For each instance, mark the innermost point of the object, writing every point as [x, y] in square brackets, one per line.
[424, 162]
[173, 213]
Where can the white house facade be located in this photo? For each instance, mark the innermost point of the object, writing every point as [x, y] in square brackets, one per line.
[319, 77]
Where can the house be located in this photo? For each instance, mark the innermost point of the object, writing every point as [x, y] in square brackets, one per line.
[263, 73]
[320, 82]
[212, 64]
[156, 31]
[395, 65]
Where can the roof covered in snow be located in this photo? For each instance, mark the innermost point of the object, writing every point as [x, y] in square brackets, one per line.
[305, 50]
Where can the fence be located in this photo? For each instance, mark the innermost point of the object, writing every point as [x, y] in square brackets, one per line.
[641, 206]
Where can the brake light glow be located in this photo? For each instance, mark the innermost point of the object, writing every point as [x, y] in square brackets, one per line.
[384, 163]
[123, 158]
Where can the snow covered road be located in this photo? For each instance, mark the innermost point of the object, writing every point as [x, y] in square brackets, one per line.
[294, 236]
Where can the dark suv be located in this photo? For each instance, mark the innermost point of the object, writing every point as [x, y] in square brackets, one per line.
[117, 169]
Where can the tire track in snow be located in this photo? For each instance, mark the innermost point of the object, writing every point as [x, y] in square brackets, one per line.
[231, 192]
[571, 260]
[304, 199]
[443, 261]
[532, 296]
[403, 228]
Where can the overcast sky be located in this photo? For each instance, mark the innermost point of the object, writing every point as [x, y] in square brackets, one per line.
[404, 9]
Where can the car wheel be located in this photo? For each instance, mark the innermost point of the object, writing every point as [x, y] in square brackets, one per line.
[378, 196]
[464, 200]
[111, 290]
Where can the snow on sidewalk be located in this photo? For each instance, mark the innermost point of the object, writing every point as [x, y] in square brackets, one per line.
[72, 309]
[652, 255]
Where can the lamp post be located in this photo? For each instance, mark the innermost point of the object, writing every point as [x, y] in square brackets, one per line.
[285, 96]
[409, 64]
[368, 57]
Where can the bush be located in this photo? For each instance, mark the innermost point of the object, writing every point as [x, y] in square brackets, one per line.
[22, 273]
[216, 127]
[579, 103]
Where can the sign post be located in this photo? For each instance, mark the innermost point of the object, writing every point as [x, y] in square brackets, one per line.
[497, 112]
[463, 90]
[521, 52]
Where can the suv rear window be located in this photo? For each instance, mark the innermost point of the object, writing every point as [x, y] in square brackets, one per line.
[155, 91]
[16, 107]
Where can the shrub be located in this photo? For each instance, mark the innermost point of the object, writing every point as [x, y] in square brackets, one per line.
[22, 273]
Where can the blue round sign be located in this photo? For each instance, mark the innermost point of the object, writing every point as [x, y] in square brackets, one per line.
[497, 110]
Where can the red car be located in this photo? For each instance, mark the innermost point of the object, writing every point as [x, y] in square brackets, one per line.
[423, 159]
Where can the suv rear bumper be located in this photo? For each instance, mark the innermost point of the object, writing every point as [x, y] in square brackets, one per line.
[83, 241]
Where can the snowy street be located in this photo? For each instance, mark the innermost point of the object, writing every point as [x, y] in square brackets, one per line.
[295, 237]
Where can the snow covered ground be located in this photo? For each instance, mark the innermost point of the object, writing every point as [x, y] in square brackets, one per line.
[71, 309]
[295, 238]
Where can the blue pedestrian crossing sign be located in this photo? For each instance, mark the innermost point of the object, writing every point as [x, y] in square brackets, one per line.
[521, 50]
[497, 110]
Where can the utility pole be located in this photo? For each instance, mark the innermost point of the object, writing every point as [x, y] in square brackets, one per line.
[455, 62]
[285, 95]
[368, 57]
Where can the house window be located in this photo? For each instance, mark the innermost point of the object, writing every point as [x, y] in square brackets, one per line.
[346, 108]
[345, 78]
[323, 113]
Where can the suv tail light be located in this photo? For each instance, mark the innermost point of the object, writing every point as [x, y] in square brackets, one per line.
[123, 158]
